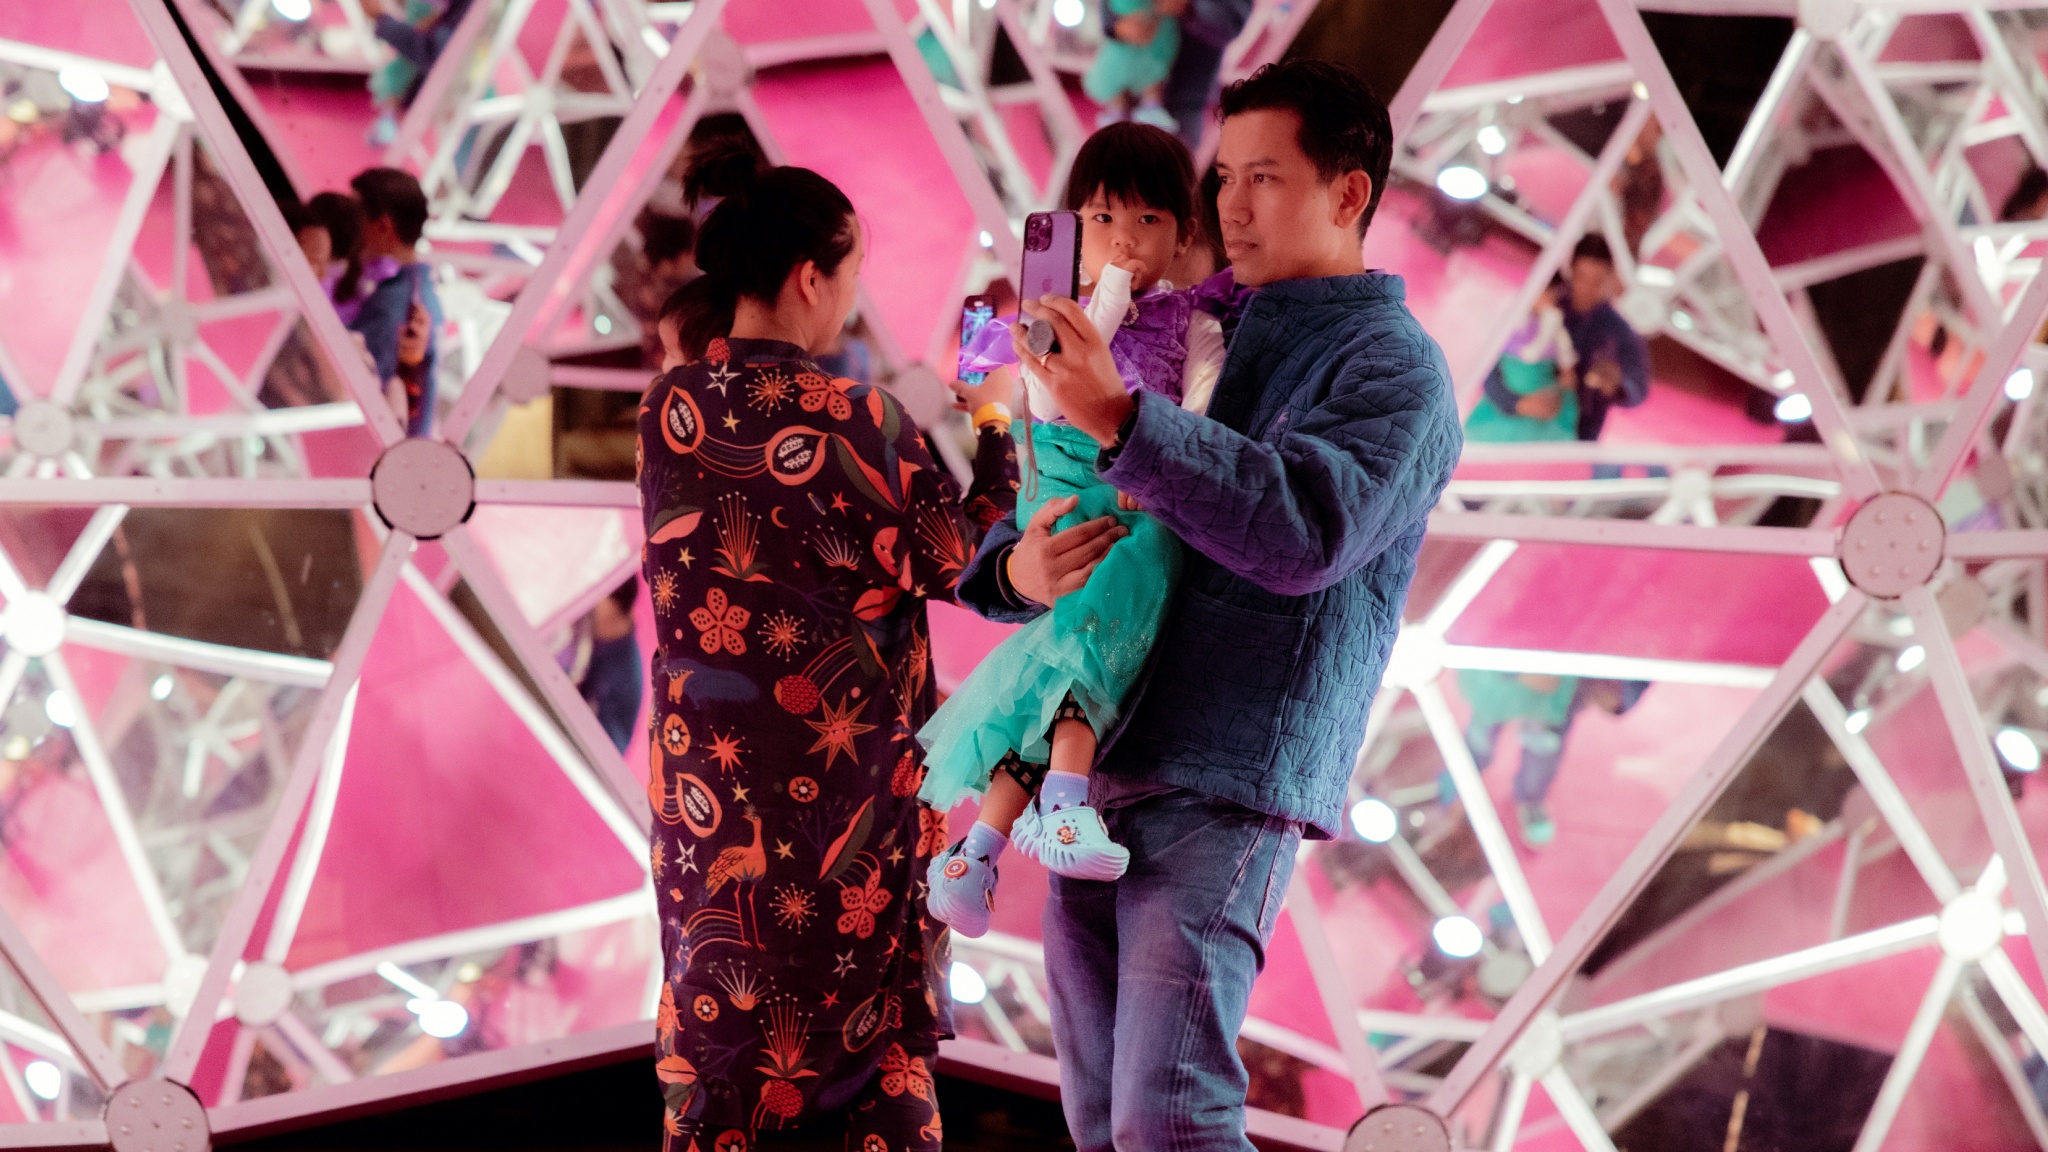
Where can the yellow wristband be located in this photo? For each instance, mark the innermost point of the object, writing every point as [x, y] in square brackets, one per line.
[993, 412]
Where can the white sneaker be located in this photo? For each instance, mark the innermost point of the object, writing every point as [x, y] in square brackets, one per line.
[1070, 841]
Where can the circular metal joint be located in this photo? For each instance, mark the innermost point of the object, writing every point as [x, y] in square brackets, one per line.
[156, 1116]
[723, 65]
[1972, 926]
[528, 376]
[34, 624]
[1398, 1128]
[1827, 19]
[1893, 544]
[424, 487]
[1540, 1047]
[263, 993]
[44, 428]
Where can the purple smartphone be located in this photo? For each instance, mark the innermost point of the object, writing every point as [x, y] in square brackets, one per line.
[1052, 260]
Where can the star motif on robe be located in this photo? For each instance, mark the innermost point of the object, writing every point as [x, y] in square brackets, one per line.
[896, 855]
[843, 965]
[837, 730]
[731, 422]
[831, 999]
[720, 377]
[839, 503]
[783, 850]
[686, 859]
[685, 558]
[739, 794]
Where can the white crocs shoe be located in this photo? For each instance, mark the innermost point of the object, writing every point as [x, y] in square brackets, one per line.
[962, 891]
[1070, 841]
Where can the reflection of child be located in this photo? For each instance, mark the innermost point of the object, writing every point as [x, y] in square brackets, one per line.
[1030, 714]
[407, 390]
[1538, 367]
[1131, 67]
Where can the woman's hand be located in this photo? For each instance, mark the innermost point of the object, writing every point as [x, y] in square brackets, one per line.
[1128, 503]
[1542, 404]
[1137, 29]
[999, 388]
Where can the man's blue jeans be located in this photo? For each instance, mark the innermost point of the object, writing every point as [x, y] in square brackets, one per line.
[1151, 974]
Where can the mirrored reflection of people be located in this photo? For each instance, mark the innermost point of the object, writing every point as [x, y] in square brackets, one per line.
[394, 216]
[796, 525]
[1613, 359]
[1301, 498]
[1540, 367]
[1542, 709]
[610, 676]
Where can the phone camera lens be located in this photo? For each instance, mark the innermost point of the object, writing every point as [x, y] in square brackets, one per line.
[1038, 234]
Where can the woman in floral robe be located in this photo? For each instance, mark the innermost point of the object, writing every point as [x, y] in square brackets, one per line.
[796, 525]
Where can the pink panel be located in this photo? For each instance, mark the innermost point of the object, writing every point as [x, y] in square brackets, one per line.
[1678, 606]
[450, 814]
[1922, 39]
[102, 29]
[1839, 199]
[1522, 37]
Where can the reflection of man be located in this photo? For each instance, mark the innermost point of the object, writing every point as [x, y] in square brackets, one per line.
[1614, 363]
[1301, 498]
[611, 677]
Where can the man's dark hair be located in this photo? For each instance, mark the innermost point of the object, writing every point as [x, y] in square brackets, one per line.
[1344, 127]
[390, 194]
[1593, 247]
[625, 594]
[1135, 164]
[664, 237]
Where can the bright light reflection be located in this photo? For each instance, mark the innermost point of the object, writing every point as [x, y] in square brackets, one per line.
[1857, 721]
[1492, 140]
[2020, 384]
[2017, 749]
[603, 324]
[1461, 182]
[160, 688]
[441, 1019]
[1069, 13]
[1375, 820]
[85, 85]
[966, 984]
[44, 1079]
[1793, 408]
[1458, 937]
[1911, 658]
[293, 9]
[61, 709]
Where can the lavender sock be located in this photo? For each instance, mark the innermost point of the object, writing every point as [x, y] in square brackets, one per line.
[983, 840]
[1062, 790]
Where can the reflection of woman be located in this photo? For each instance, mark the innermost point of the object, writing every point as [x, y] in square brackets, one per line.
[796, 523]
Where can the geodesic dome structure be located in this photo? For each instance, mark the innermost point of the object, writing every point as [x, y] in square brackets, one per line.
[303, 813]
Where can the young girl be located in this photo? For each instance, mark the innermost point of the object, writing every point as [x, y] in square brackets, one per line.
[1539, 361]
[1040, 700]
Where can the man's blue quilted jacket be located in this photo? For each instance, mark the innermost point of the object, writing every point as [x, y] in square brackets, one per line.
[1302, 499]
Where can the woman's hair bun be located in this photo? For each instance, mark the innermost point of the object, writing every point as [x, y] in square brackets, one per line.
[722, 168]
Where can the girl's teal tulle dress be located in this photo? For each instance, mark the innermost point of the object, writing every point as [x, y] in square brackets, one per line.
[1092, 644]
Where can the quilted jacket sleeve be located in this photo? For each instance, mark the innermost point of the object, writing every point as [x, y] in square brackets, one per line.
[980, 588]
[1311, 502]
